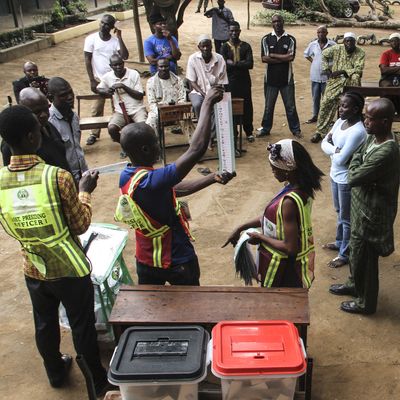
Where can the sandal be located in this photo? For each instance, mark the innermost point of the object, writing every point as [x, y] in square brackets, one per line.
[337, 262]
[330, 246]
[204, 171]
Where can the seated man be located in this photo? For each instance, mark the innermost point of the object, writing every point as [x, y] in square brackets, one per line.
[66, 121]
[52, 149]
[127, 91]
[31, 79]
[390, 68]
[161, 45]
[164, 250]
[163, 88]
[205, 69]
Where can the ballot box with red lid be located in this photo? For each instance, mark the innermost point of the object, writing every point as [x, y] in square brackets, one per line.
[258, 360]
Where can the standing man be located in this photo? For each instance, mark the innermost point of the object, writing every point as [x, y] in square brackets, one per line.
[313, 53]
[98, 49]
[163, 88]
[66, 122]
[124, 85]
[164, 252]
[343, 64]
[161, 45]
[205, 69]
[200, 3]
[238, 56]
[221, 18]
[52, 149]
[31, 79]
[278, 50]
[374, 175]
[390, 68]
[39, 207]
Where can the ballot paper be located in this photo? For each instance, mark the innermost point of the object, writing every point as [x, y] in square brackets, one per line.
[225, 139]
[111, 168]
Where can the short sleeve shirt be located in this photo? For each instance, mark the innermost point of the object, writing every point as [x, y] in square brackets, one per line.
[314, 50]
[278, 74]
[154, 196]
[159, 48]
[101, 51]
[206, 74]
[131, 79]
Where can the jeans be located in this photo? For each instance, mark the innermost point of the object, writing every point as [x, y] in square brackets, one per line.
[317, 90]
[183, 274]
[341, 194]
[288, 97]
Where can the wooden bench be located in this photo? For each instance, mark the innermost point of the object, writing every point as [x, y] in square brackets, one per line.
[374, 90]
[86, 123]
[207, 305]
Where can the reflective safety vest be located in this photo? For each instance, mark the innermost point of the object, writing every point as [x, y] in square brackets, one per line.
[31, 212]
[305, 258]
[151, 236]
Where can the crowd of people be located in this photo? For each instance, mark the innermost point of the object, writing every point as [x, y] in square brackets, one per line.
[46, 185]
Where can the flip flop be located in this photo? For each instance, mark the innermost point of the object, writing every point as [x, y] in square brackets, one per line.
[204, 171]
[330, 246]
[337, 262]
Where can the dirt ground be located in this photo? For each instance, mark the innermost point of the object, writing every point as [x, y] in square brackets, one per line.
[356, 357]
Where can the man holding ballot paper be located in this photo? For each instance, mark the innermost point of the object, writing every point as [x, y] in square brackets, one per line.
[148, 201]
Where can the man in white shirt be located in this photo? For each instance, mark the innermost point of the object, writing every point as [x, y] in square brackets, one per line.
[205, 69]
[126, 89]
[98, 49]
[163, 88]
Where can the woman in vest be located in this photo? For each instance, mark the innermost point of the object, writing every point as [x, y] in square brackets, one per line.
[345, 137]
[285, 244]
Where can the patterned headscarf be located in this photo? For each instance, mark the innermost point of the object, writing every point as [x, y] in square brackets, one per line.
[281, 155]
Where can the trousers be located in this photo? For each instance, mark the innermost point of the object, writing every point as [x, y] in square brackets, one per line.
[183, 274]
[288, 97]
[77, 296]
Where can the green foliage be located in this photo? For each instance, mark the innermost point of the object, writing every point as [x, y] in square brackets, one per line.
[264, 17]
[13, 38]
[121, 5]
[336, 8]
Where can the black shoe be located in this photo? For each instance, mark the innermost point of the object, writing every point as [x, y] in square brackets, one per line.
[197, 11]
[340, 289]
[316, 138]
[353, 308]
[263, 133]
[91, 140]
[103, 387]
[57, 380]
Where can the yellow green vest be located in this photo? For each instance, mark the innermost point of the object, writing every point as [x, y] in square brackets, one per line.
[305, 257]
[31, 212]
[129, 212]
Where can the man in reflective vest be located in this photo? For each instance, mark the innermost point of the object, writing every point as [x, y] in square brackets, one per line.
[39, 207]
[164, 252]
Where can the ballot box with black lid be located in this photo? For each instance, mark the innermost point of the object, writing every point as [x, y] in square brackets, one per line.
[160, 362]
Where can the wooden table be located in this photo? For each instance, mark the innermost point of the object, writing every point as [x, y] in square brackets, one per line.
[208, 305]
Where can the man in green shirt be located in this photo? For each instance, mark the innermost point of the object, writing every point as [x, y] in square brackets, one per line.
[374, 175]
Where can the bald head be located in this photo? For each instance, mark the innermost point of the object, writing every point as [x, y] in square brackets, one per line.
[140, 143]
[37, 102]
[382, 108]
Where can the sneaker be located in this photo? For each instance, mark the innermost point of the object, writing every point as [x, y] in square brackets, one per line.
[91, 140]
[250, 138]
[122, 155]
[262, 133]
